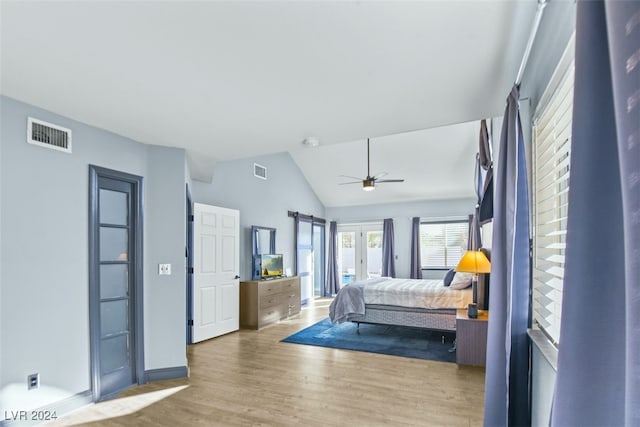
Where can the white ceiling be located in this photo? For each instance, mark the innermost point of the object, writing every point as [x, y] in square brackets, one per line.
[230, 80]
[435, 164]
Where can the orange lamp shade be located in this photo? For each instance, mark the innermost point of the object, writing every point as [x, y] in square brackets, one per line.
[474, 262]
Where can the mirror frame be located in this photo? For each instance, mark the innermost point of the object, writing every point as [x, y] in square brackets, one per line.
[255, 230]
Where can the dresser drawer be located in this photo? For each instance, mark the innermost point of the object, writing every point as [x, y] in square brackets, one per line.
[294, 308]
[270, 315]
[289, 286]
[267, 288]
[291, 304]
[270, 300]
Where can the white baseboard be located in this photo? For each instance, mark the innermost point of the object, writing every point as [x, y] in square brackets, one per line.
[45, 413]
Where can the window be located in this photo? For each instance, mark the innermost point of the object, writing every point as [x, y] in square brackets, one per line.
[442, 244]
[550, 166]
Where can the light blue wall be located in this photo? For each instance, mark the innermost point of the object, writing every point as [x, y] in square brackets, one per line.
[44, 277]
[556, 27]
[402, 214]
[2, 126]
[261, 202]
[165, 242]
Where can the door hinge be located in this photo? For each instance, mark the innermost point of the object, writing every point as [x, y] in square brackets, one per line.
[190, 270]
[191, 218]
[190, 322]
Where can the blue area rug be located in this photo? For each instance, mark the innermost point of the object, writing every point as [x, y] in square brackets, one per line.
[391, 340]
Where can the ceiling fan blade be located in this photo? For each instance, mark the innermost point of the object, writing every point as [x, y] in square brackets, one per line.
[380, 175]
[345, 183]
[351, 177]
[389, 180]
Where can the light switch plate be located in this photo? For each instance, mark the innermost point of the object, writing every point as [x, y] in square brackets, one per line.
[164, 269]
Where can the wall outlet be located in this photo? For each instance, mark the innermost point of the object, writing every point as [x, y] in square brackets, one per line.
[164, 269]
[33, 381]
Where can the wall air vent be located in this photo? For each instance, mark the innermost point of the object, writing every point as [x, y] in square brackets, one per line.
[48, 135]
[259, 171]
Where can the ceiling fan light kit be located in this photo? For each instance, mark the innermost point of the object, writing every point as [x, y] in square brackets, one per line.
[369, 183]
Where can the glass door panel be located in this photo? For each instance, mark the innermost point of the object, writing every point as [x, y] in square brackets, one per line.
[305, 259]
[346, 257]
[374, 253]
[318, 260]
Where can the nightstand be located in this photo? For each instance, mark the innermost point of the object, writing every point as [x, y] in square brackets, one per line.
[471, 338]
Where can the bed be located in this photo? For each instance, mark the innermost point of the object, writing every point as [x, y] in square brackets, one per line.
[416, 303]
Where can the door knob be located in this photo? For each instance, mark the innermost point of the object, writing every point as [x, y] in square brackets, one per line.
[237, 277]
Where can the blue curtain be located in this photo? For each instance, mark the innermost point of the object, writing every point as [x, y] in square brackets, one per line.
[416, 262]
[474, 241]
[598, 379]
[388, 261]
[332, 284]
[507, 371]
[485, 185]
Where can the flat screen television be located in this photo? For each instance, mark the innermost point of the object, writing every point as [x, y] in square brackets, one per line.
[271, 266]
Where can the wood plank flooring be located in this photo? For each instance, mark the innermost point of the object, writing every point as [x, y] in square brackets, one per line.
[251, 378]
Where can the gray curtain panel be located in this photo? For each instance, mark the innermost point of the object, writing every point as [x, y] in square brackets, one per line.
[486, 162]
[479, 179]
[507, 371]
[416, 263]
[388, 261]
[485, 147]
[474, 241]
[598, 379]
[332, 283]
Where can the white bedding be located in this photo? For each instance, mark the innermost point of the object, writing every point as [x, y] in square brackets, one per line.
[430, 294]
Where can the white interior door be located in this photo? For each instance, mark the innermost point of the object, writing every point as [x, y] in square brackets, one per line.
[216, 261]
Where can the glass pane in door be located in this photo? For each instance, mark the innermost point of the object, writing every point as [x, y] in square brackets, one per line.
[114, 353]
[318, 260]
[374, 253]
[346, 257]
[305, 260]
[114, 281]
[114, 317]
[113, 244]
[114, 207]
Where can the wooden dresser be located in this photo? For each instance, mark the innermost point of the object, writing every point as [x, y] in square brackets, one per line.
[266, 301]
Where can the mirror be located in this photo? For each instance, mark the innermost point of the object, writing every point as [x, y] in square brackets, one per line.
[263, 241]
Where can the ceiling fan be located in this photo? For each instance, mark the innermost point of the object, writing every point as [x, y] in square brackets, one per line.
[369, 183]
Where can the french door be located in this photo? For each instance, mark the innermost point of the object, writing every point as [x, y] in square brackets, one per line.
[359, 252]
[115, 284]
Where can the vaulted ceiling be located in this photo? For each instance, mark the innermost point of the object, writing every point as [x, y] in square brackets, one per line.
[229, 80]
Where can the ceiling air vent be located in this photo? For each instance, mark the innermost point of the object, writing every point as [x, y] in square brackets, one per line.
[48, 135]
[259, 171]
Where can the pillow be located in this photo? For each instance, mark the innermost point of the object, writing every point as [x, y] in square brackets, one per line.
[461, 281]
[449, 277]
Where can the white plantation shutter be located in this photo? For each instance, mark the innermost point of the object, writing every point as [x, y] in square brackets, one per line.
[442, 244]
[551, 148]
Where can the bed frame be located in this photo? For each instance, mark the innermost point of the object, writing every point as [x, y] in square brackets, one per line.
[438, 319]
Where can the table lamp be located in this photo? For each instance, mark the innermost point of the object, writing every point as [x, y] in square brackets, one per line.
[474, 262]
